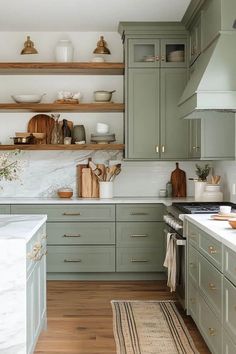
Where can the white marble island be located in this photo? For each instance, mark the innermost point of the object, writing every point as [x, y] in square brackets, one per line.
[22, 281]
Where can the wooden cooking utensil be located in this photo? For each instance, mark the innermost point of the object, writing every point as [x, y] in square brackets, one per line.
[42, 123]
[102, 167]
[178, 181]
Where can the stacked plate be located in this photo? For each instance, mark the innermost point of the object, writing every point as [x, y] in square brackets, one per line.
[102, 138]
[176, 56]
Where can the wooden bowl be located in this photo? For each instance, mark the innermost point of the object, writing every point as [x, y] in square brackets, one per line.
[65, 192]
[232, 223]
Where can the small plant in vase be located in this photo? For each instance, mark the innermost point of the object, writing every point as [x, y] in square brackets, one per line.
[200, 184]
[202, 172]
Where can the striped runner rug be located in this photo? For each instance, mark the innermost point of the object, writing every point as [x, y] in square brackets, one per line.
[150, 327]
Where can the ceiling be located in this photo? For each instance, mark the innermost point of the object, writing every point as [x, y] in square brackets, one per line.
[85, 15]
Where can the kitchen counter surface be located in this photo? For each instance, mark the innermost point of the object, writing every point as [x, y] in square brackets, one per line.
[20, 226]
[115, 200]
[220, 230]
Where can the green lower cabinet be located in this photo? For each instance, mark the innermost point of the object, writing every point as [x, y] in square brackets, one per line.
[229, 310]
[210, 285]
[209, 326]
[139, 234]
[70, 259]
[193, 268]
[78, 233]
[5, 209]
[139, 259]
[229, 346]
[193, 301]
[140, 212]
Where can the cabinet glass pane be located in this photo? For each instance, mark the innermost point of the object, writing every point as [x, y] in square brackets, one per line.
[144, 53]
[175, 53]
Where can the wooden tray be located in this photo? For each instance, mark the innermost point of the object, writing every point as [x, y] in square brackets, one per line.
[223, 217]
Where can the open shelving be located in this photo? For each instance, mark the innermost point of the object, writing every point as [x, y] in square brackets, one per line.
[107, 147]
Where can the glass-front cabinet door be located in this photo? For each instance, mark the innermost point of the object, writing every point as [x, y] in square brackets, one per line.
[144, 53]
[173, 53]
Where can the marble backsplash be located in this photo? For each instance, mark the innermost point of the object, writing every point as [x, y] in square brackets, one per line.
[46, 171]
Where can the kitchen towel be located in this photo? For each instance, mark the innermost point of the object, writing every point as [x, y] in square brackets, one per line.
[170, 261]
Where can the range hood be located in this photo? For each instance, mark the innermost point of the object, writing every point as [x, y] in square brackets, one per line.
[212, 85]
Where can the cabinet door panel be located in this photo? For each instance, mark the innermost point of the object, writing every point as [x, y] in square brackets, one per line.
[173, 53]
[143, 113]
[229, 308]
[143, 53]
[174, 131]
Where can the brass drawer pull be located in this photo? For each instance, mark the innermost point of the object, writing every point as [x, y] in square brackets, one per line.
[72, 260]
[141, 235]
[71, 214]
[212, 331]
[139, 260]
[71, 235]
[157, 148]
[212, 250]
[212, 286]
[138, 213]
[163, 148]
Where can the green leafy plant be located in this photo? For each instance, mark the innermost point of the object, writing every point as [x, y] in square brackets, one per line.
[202, 172]
[10, 167]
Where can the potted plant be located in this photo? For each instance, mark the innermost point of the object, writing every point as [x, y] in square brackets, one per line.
[202, 173]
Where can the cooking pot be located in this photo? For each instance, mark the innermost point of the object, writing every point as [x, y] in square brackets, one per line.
[103, 96]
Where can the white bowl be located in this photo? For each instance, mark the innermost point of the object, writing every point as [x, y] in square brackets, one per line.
[27, 98]
[102, 128]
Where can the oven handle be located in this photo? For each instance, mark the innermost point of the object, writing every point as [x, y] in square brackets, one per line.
[179, 241]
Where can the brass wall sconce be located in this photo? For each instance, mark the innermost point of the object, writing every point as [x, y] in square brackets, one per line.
[101, 47]
[29, 47]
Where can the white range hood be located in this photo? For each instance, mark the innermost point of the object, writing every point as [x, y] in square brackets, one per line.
[212, 85]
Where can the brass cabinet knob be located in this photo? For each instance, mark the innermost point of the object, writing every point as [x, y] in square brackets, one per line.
[212, 250]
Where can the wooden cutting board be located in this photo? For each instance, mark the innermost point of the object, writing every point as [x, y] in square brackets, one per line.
[42, 123]
[178, 180]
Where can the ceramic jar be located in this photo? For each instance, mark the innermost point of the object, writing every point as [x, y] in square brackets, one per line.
[105, 189]
[78, 134]
[64, 51]
[199, 188]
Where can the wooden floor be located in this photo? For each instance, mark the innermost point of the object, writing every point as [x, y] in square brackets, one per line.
[80, 315]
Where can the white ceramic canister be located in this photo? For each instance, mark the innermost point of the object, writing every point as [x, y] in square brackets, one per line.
[106, 189]
[199, 188]
[64, 51]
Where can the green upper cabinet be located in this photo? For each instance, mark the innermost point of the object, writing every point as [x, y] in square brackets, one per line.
[152, 53]
[143, 113]
[174, 131]
[195, 38]
[195, 138]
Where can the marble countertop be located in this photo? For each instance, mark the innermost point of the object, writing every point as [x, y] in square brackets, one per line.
[220, 230]
[20, 226]
[115, 200]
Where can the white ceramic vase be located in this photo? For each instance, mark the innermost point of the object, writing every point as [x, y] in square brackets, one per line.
[199, 188]
[64, 51]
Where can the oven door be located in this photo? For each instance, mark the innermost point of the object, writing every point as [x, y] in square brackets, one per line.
[180, 263]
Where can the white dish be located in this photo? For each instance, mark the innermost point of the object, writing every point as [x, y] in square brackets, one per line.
[98, 60]
[27, 98]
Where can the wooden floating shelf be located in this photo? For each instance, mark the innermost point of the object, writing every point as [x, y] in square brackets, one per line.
[64, 147]
[82, 68]
[56, 107]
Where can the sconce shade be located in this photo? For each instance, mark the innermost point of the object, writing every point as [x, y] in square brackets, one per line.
[29, 47]
[101, 47]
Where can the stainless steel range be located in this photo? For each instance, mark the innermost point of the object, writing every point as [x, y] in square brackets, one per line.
[174, 225]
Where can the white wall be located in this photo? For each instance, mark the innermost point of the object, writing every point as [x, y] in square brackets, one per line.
[227, 170]
[44, 172]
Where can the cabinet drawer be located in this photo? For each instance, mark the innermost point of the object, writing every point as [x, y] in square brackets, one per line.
[210, 327]
[211, 285]
[229, 309]
[193, 234]
[139, 260]
[193, 301]
[230, 264]
[193, 264]
[211, 249]
[69, 212]
[5, 209]
[35, 248]
[140, 234]
[229, 347]
[72, 259]
[140, 212]
[81, 233]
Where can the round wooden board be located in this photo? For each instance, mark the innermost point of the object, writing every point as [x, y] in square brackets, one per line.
[42, 123]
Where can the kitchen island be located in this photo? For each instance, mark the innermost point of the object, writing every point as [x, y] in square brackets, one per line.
[22, 282]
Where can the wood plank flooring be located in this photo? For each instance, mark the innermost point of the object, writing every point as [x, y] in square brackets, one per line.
[80, 316]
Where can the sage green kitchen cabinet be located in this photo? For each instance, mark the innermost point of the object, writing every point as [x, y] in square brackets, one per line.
[153, 129]
[229, 346]
[211, 21]
[5, 209]
[195, 37]
[152, 53]
[212, 137]
[229, 310]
